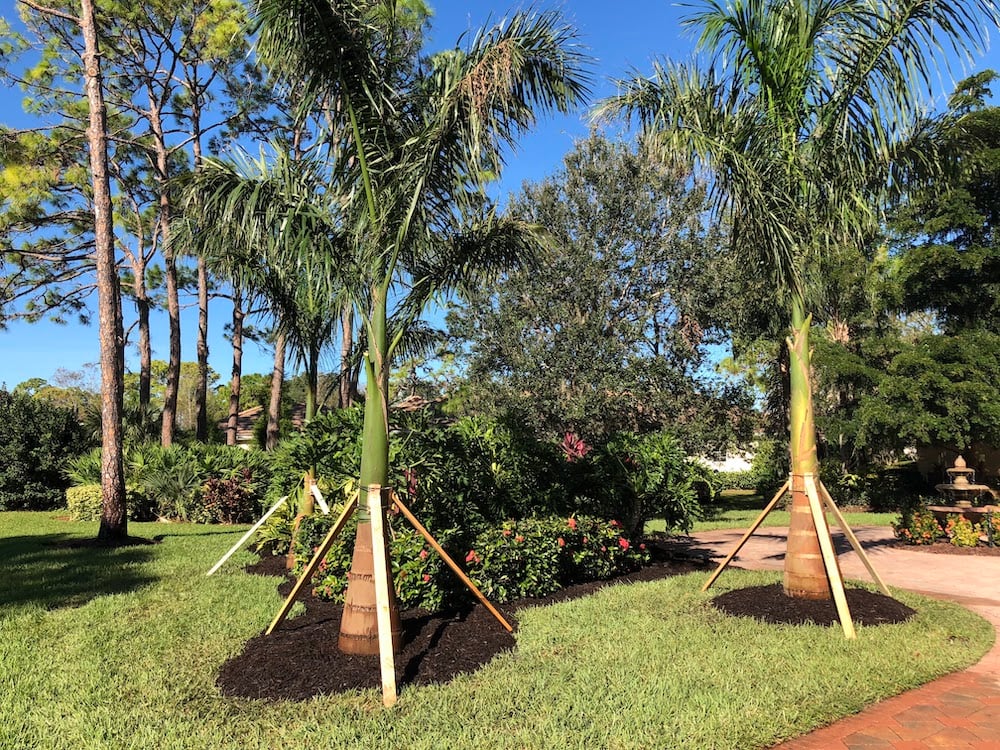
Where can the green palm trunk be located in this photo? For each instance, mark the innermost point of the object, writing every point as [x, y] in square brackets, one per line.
[805, 575]
[359, 626]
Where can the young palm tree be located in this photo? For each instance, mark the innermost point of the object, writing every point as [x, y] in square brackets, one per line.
[418, 143]
[800, 118]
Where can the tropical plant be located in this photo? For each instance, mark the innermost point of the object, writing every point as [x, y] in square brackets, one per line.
[419, 143]
[800, 118]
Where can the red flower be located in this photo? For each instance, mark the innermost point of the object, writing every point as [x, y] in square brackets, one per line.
[427, 578]
[571, 523]
[562, 542]
[519, 539]
[507, 532]
[585, 540]
[603, 548]
[472, 557]
[623, 543]
[614, 524]
[423, 554]
[642, 546]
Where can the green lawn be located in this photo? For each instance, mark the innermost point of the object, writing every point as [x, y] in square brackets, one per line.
[737, 509]
[119, 649]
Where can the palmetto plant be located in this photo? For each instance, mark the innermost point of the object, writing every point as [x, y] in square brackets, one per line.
[804, 118]
[417, 141]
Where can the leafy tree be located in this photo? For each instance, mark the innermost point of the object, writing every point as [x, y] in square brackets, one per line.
[947, 239]
[798, 117]
[420, 142]
[937, 390]
[605, 331]
[35, 439]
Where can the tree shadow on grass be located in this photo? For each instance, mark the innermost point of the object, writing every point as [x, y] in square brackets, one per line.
[56, 570]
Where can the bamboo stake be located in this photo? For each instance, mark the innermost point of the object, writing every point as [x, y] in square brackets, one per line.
[382, 600]
[849, 533]
[451, 563]
[751, 530]
[829, 557]
[313, 564]
[252, 529]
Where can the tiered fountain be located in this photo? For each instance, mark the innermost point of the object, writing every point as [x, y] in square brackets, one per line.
[963, 492]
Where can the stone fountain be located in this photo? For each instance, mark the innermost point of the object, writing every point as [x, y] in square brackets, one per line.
[961, 487]
[963, 492]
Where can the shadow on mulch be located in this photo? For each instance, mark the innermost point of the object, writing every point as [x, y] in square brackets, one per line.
[947, 548]
[301, 659]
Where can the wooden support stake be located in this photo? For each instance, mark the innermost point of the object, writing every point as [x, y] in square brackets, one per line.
[246, 536]
[451, 563]
[313, 564]
[849, 533]
[829, 556]
[751, 530]
[382, 597]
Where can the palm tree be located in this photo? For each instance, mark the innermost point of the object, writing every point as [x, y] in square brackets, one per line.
[800, 119]
[418, 143]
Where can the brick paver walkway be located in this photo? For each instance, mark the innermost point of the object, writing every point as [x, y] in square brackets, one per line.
[961, 710]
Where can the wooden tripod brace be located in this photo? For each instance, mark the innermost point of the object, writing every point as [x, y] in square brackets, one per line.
[375, 507]
[818, 497]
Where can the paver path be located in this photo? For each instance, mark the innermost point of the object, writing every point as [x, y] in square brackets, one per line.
[958, 711]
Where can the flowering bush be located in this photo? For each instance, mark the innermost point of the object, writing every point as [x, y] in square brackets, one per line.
[917, 526]
[419, 575]
[537, 556]
[532, 557]
[961, 531]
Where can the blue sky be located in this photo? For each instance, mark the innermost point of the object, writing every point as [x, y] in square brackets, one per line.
[621, 36]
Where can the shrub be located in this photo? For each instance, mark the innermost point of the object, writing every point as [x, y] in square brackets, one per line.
[734, 480]
[36, 439]
[230, 499]
[84, 503]
[537, 556]
[178, 481]
[961, 531]
[917, 526]
[643, 477]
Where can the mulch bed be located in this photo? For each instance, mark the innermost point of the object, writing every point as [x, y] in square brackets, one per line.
[301, 659]
[947, 548]
[769, 604]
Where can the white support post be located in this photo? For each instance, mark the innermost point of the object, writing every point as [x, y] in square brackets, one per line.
[246, 536]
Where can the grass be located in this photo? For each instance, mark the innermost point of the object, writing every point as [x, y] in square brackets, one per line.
[737, 509]
[119, 649]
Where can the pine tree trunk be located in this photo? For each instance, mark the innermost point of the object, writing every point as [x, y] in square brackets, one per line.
[114, 513]
[169, 423]
[145, 348]
[805, 575]
[346, 385]
[359, 626]
[274, 405]
[201, 387]
[234, 386]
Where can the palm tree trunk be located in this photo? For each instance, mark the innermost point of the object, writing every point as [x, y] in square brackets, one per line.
[274, 405]
[805, 575]
[359, 626]
[114, 516]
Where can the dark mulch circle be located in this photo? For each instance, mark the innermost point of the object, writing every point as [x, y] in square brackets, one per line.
[301, 659]
[771, 605]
